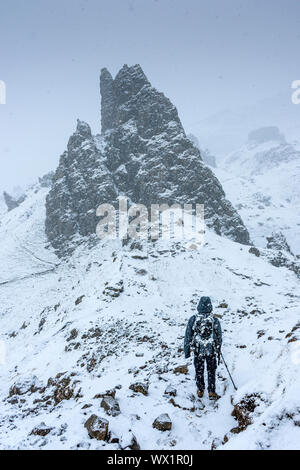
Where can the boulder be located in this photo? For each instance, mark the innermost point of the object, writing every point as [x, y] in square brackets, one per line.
[181, 369]
[171, 391]
[97, 427]
[41, 430]
[111, 406]
[140, 387]
[254, 251]
[163, 422]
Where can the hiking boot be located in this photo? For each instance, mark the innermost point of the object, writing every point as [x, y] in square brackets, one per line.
[200, 393]
[213, 396]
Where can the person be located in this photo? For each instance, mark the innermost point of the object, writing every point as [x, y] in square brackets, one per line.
[204, 336]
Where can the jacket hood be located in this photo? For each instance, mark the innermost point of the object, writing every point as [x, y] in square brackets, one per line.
[204, 305]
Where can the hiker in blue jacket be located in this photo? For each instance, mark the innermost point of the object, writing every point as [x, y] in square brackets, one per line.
[204, 336]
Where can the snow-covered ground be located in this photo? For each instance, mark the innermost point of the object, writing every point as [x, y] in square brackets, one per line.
[111, 316]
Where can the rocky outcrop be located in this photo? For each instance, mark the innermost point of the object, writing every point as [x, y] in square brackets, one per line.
[46, 180]
[12, 202]
[266, 134]
[277, 241]
[41, 430]
[279, 253]
[162, 422]
[97, 427]
[81, 182]
[111, 406]
[140, 387]
[171, 391]
[143, 153]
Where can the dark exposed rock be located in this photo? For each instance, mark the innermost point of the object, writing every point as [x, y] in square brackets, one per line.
[87, 405]
[46, 180]
[140, 387]
[279, 253]
[150, 156]
[254, 251]
[73, 334]
[143, 153]
[111, 406]
[277, 241]
[208, 158]
[129, 441]
[115, 290]
[81, 182]
[27, 386]
[64, 388]
[79, 300]
[223, 305]
[181, 369]
[107, 393]
[134, 445]
[243, 411]
[63, 391]
[41, 430]
[260, 333]
[97, 427]
[11, 202]
[163, 422]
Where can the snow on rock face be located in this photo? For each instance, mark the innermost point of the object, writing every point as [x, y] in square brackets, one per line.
[80, 183]
[144, 155]
[147, 140]
[163, 423]
[97, 427]
[277, 241]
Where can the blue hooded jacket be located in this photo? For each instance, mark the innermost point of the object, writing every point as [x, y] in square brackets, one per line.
[204, 309]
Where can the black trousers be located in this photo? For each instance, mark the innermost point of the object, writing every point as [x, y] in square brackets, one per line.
[211, 364]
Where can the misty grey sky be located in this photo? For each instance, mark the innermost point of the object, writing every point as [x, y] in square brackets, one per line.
[204, 55]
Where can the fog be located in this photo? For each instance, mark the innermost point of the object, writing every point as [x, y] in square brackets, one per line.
[209, 57]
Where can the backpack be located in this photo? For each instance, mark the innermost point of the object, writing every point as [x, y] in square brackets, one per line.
[203, 338]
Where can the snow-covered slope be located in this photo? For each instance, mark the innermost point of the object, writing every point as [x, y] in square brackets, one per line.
[22, 238]
[262, 181]
[3, 208]
[256, 159]
[112, 316]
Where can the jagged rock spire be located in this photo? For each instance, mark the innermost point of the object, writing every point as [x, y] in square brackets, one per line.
[145, 155]
[107, 100]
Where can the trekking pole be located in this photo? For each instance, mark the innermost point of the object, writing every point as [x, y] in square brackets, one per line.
[235, 388]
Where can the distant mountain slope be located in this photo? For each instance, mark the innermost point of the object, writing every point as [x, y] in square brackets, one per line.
[262, 179]
[227, 130]
[112, 316]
